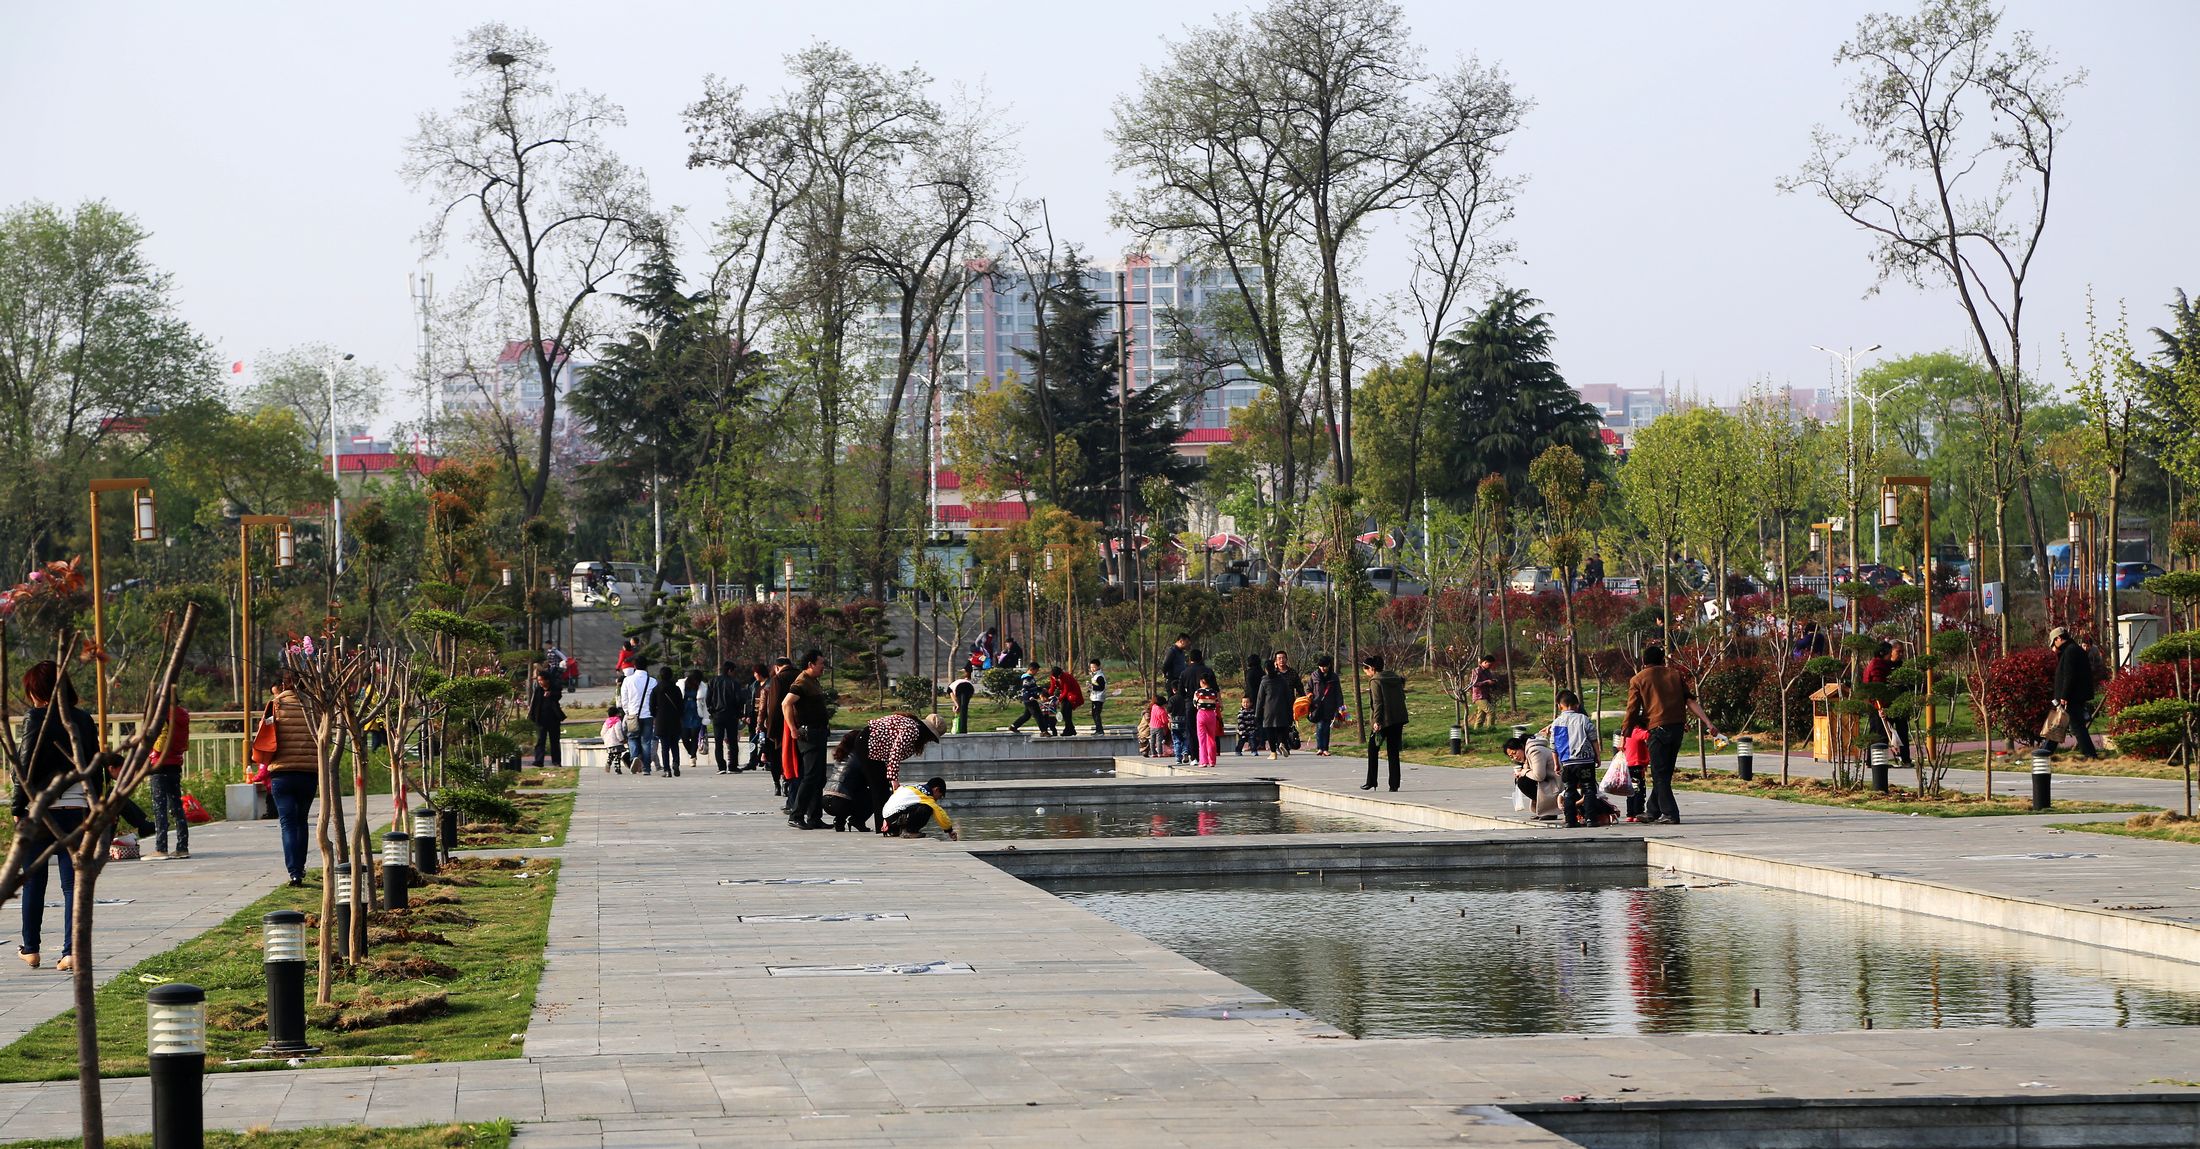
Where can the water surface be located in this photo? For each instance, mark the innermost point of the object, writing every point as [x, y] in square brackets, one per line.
[1161, 820]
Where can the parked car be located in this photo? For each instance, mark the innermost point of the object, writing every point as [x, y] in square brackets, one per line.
[609, 584]
[1396, 581]
[1533, 580]
[1871, 574]
[2129, 576]
[1309, 578]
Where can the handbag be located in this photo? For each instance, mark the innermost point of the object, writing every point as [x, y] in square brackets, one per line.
[1618, 781]
[194, 811]
[124, 848]
[263, 742]
[2057, 726]
[1291, 736]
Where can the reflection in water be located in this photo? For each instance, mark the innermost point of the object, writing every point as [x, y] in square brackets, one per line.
[1596, 952]
[1161, 820]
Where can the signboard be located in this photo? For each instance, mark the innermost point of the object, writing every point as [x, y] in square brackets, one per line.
[1990, 598]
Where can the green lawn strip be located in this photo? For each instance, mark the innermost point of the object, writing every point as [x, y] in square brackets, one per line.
[549, 778]
[473, 1135]
[540, 815]
[2161, 826]
[1899, 799]
[495, 921]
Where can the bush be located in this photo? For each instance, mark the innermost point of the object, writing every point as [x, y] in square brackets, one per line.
[915, 692]
[1766, 704]
[1000, 682]
[2143, 683]
[2152, 729]
[1728, 691]
[478, 804]
[2020, 690]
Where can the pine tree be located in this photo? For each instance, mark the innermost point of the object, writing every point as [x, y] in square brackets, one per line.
[1499, 401]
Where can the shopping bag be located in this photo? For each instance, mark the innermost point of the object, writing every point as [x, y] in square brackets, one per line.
[264, 742]
[194, 812]
[2057, 726]
[1618, 781]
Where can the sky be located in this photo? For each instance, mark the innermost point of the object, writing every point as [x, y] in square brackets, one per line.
[260, 143]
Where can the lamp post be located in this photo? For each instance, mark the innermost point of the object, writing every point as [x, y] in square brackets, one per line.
[1890, 489]
[286, 556]
[1848, 360]
[143, 529]
[283, 960]
[336, 476]
[786, 604]
[175, 1046]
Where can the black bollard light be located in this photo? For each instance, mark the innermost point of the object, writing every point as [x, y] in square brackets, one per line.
[1879, 767]
[2043, 778]
[344, 924]
[396, 870]
[283, 950]
[1520, 730]
[175, 1046]
[1458, 740]
[446, 821]
[425, 832]
[1745, 758]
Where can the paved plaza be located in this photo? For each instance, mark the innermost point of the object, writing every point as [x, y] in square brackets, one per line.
[666, 1019]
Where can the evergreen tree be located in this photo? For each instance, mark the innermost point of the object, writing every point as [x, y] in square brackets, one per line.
[1498, 402]
[1068, 400]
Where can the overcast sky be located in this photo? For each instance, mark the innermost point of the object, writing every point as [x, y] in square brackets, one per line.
[259, 143]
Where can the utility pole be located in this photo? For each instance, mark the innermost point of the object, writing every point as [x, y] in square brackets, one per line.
[421, 286]
[336, 476]
[1848, 359]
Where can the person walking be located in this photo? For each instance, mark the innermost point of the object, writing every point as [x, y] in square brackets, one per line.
[294, 774]
[1255, 670]
[547, 715]
[1097, 682]
[59, 740]
[1027, 692]
[808, 718]
[724, 699]
[167, 785]
[691, 715]
[1324, 701]
[1660, 699]
[1177, 699]
[2073, 689]
[1388, 710]
[962, 692]
[1482, 692]
[1202, 706]
[665, 714]
[771, 750]
[1275, 700]
[634, 697]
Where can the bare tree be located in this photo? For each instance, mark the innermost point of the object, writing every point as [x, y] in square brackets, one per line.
[303, 380]
[525, 168]
[1945, 201]
[106, 780]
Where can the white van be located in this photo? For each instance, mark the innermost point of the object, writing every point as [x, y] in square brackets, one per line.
[610, 584]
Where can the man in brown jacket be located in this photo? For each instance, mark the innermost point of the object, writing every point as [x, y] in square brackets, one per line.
[1660, 700]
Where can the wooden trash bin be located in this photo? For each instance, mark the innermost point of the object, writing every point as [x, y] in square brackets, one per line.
[1828, 727]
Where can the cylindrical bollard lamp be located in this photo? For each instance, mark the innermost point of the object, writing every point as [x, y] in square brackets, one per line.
[424, 840]
[175, 1045]
[342, 947]
[396, 870]
[1879, 767]
[1745, 758]
[446, 821]
[1458, 740]
[283, 950]
[1520, 730]
[2043, 778]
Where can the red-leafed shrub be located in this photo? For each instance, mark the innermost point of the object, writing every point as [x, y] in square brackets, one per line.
[1728, 691]
[2020, 688]
[2143, 683]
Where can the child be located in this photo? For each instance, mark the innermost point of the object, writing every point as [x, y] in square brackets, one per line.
[1158, 742]
[614, 742]
[1248, 727]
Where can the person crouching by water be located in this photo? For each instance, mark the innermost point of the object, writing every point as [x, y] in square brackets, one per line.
[1535, 775]
[871, 757]
[912, 808]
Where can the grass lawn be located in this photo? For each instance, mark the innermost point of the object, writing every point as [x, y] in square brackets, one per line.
[1897, 800]
[2161, 825]
[550, 778]
[472, 973]
[541, 816]
[474, 1135]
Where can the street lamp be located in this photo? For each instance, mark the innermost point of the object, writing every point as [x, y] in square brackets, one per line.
[1848, 360]
[143, 529]
[1890, 490]
[286, 556]
[336, 474]
[786, 603]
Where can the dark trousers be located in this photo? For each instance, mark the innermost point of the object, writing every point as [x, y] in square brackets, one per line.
[1278, 738]
[554, 736]
[1030, 714]
[1392, 737]
[1069, 719]
[1180, 733]
[1321, 733]
[1665, 754]
[722, 736]
[168, 809]
[2079, 735]
[910, 822]
[293, 792]
[1638, 791]
[1901, 734]
[1578, 788]
[33, 895]
[1096, 719]
[668, 744]
[809, 803]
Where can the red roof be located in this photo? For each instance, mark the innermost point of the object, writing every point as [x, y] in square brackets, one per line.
[1206, 435]
[383, 462]
[948, 480]
[1003, 512]
[1610, 437]
[518, 347]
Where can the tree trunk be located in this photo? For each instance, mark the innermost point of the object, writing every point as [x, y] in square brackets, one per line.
[90, 858]
[2107, 624]
[2001, 564]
